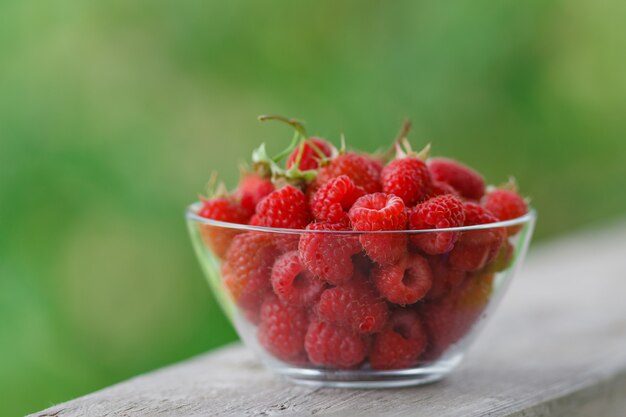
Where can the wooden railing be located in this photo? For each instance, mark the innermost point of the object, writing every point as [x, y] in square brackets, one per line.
[556, 346]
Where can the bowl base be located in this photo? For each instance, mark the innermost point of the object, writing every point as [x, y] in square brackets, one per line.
[420, 375]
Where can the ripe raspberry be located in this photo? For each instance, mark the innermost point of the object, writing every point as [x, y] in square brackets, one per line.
[450, 318]
[377, 212]
[475, 248]
[407, 178]
[401, 343]
[377, 162]
[284, 208]
[475, 214]
[226, 210]
[246, 270]
[506, 205]
[334, 347]
[355, 306]
[465, 180]
[446, 278]
[310, 157]
[292, 283]
[333, 200]
[441, 188]
[439, 212]
[503, 259]
[469, 257]
[361, 169]
[404, 282]
[282, 330]
[328, 255]
[252, 188]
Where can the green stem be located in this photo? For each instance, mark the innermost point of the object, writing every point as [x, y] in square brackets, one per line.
[291, 147]
[296, 124]
[404, 131]
[316, 149]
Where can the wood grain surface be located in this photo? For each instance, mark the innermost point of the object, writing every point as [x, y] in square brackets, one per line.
[555, 347]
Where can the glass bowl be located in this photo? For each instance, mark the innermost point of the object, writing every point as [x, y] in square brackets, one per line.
[315, 307]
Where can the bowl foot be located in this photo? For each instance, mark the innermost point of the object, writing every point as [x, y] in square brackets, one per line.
[366, 378]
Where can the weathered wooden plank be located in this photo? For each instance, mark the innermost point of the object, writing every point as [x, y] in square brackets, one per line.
[557, 346]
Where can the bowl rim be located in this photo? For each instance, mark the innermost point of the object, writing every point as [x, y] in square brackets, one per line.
[192, 215]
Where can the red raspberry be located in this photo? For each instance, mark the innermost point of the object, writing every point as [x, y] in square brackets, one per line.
[376, 212]
[441, 188]
[475, 248]
[506, 205]
[475, 214]
[282, 330]
[364, 171]
[401, 343]
[292, 283]
[503, 259]
[252, 188]
[329, 255]
[407, 178]
[450, 318]
[465, 180]
[254, 221]
[377, 163]
[284, 208]
[404, 282]
[310, 156]
[333, 200]
[334, 347]
[355, 306]
[246, 270]
[439, 212]
[445, 278]
[470, 257]
[226, 210]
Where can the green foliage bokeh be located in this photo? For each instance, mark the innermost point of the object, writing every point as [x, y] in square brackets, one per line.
[113, 114]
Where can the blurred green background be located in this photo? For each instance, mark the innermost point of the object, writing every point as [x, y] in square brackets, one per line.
[113, 113]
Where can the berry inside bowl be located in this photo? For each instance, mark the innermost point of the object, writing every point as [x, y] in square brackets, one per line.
[334, 306]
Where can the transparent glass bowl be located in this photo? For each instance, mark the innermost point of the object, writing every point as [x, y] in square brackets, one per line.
[355, 322]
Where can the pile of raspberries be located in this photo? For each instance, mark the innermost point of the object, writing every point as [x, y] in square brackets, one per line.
[332, 298]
